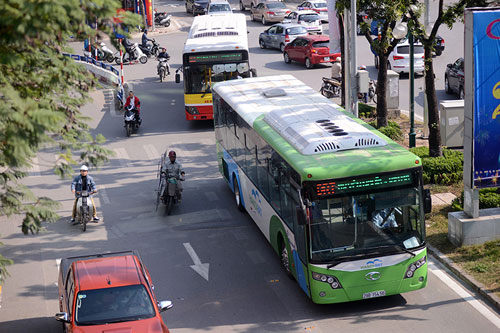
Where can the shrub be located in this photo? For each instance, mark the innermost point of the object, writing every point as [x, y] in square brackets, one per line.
[443, 170]
[393, 130]
[366, 111]
[488, 198]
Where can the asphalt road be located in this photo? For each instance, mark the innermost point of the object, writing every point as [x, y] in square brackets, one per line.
[245, 288]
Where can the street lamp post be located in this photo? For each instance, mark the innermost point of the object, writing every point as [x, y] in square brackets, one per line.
[412, 92]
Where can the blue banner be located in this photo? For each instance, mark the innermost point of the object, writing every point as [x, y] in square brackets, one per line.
[486, 98]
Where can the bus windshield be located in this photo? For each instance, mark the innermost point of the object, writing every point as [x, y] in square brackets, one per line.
[200, 77]
[360, 224]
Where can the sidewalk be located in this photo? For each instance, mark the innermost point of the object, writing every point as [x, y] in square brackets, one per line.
[441, 199]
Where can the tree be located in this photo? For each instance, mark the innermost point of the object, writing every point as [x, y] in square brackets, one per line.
[41, 92]
[387, 14]
[447, 16]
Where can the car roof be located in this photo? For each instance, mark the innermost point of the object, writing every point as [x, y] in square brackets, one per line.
[316, 38]
[108, 272]
[315, 1]
[218, 2]
[305, 11]
[288, 25]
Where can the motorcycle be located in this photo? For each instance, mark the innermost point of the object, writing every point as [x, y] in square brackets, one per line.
[139, 55]
[330, 87]
[130, 119]
[162, 19]
[167, 187]
[84, 208]
[151, 50]
[163, 68]
[372, 93]
[103, 53]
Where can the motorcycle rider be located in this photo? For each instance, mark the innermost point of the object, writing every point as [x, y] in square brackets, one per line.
[128, 49]
[83, 182]
[136, 105]
[145, 39]
[337, 69]
[172, 168]
[363, 96]
[163, 54]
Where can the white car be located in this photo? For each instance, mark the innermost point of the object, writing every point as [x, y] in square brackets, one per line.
[399, 59]
[219, 7]
[309, 19]
[318, 6]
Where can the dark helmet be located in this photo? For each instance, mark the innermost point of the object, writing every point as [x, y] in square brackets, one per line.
[163, 49]
[146, 31]
[171, 153]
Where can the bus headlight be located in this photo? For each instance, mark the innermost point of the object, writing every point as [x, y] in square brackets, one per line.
[414, 266]
[192, 110]
[331, 280]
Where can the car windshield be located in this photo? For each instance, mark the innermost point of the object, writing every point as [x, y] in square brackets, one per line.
[276, 5]
[112, 305]
[363, 224]
[224, 7]
[296, 31]
[405, 49]
[308, 17]
[325, 43]
[319, 5]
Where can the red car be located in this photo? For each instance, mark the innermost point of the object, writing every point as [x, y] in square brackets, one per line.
[109, 292]
[310, 50]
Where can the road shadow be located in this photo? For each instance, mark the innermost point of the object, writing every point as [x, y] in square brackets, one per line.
[39, 325]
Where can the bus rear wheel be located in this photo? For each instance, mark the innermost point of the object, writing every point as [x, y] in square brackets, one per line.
[237, 195]
[285, 262]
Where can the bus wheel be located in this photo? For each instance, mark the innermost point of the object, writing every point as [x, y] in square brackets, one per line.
[237, 195]
[285, 262]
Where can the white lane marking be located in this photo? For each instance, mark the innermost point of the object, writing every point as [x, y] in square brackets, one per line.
[104, 195]
[35, 168]
[487, 313]
[152, 152]
[198, 267]
[122, 157]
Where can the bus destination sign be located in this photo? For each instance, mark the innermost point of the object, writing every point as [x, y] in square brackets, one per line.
[330, 188]
[215, 57]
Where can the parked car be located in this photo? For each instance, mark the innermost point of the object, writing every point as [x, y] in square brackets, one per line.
[399, 59]
[309, 50]
[438, 45]
[280, 34]
[318, 6]
[454, 78]
[309, 19]
[110, 292]
[219, 7]
[196, 7]
[269, 11]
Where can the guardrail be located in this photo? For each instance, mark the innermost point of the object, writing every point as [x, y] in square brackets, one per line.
[94, 62]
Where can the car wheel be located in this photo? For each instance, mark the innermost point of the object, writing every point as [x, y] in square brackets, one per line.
[447, 85]
[242, 8]
[287, 58]
[376, 62]
[262, 44]
[187, 9]
[389, 65]
[237, 195]
[264, 22]
[461, 93]
[439, 52]
[285, 261]
[309, 64]
[282, 47]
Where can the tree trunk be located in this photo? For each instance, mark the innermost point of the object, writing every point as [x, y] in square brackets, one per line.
[381, 91]
[432, 104]
[343, 62]
[144, 16]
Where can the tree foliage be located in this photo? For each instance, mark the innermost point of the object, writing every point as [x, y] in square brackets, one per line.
[387, 14]
[41, 92]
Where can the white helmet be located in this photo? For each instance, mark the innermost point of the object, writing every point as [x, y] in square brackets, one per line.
[84, 168]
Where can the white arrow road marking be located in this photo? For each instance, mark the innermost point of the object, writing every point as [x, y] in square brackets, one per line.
[198, 267]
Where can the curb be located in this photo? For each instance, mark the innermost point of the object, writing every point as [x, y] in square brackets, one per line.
[477, 286]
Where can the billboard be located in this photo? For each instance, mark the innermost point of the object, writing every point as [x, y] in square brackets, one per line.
[486, 90]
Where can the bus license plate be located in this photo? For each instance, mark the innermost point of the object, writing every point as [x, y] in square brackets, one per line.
[373, 294]
[327, 58]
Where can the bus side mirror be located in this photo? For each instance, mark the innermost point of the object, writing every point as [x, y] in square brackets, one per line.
[301, 216]
[253, 72]
[177, 78]
[427, 201]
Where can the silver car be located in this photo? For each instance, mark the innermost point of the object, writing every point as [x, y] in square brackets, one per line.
[269, 11]
[281, 34]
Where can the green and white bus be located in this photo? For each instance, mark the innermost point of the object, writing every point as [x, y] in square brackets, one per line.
[340, 203]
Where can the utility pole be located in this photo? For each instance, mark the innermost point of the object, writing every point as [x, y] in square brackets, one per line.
[351, 86]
